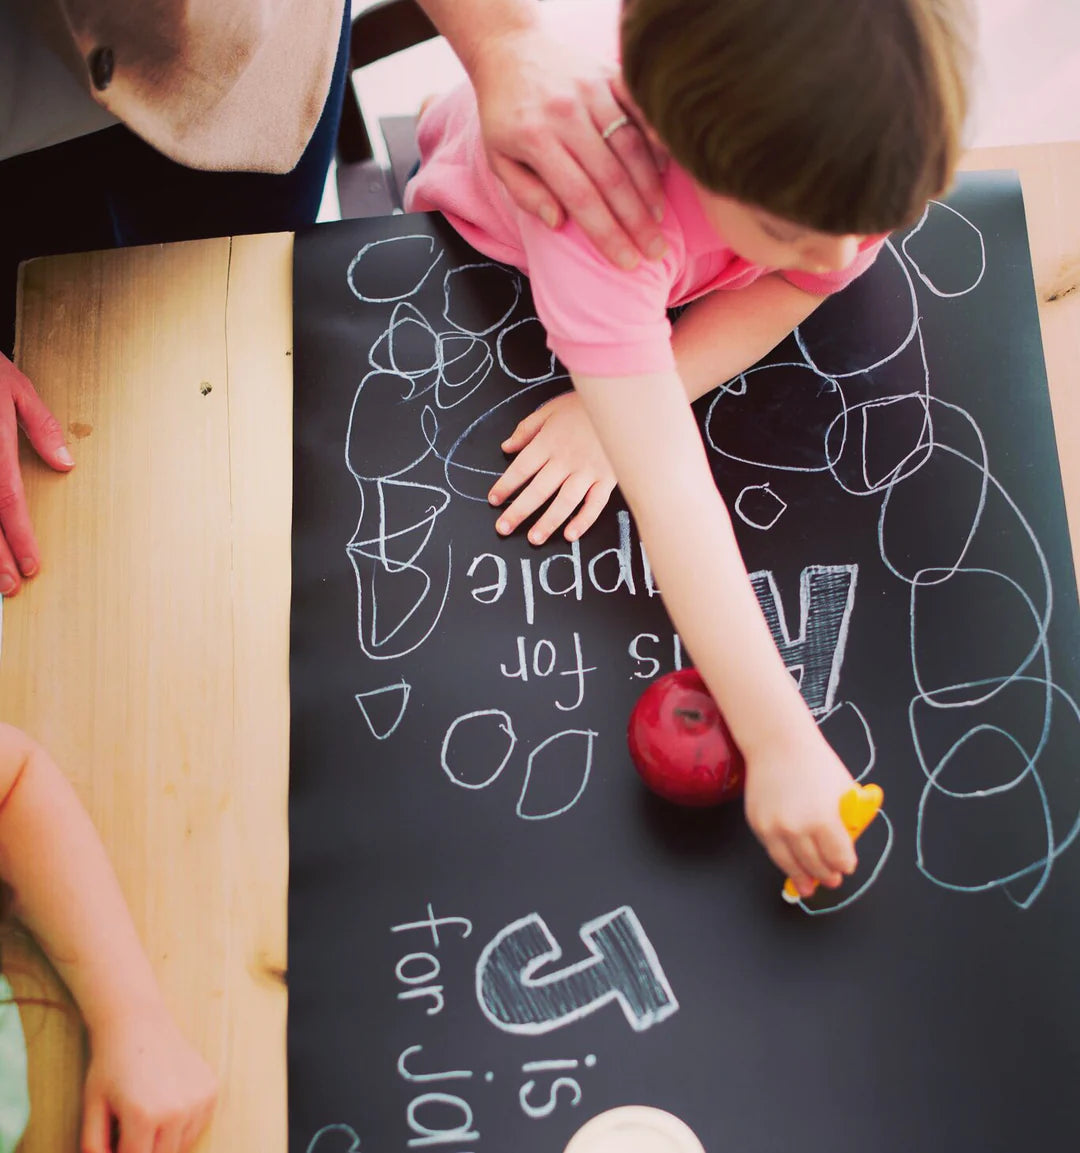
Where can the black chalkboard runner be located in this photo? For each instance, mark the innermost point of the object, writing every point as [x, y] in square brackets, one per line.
[494, 932]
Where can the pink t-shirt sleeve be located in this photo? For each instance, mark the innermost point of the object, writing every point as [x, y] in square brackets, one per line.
[600, 320]
[826, 283]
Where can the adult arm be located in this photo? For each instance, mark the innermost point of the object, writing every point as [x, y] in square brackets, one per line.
[142, 1072]
[20, 405]
[543, 105]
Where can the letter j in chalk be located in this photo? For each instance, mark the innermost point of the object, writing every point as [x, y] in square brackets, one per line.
[858, 807]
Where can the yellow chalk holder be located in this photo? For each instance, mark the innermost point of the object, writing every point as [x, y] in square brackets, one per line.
[858, 807]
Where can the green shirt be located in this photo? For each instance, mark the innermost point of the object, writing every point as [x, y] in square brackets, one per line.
[14, 1091]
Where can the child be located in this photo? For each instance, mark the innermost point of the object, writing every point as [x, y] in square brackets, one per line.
[800, 132]
[144, 1078]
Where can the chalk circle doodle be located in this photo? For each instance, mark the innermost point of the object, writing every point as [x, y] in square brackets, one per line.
[488, 282]
[379, 266]
[335, 1139]
[759, 507]
[942, 215]
[500, 722]
[549, 761]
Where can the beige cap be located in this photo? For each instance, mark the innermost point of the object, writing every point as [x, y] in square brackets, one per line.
[635, 1129]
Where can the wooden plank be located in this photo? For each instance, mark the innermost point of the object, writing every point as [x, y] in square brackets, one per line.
[141, 656]
[1050, 175]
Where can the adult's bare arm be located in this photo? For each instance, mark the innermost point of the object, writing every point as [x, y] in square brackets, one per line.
[543, 108]
[20, 405]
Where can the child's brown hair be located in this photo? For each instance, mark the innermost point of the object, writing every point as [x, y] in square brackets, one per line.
[844, 116]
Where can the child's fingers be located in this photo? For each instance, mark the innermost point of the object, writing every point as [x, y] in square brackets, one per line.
[518, 472]
[542, 487]
[837, 849]
[808, 852]
[96, 1125]
[571, 494]
[595, 500]
[785, 861]
[525, 431]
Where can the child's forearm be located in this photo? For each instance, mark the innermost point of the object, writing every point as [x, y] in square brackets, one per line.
[650, 436]
[65, 889]
[724, 333]
[469, 24]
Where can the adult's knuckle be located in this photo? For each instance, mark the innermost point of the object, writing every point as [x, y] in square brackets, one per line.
[49, 426]
[562, 106]
[10, 499]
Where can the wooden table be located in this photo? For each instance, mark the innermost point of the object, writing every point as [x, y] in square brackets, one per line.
[151, 654]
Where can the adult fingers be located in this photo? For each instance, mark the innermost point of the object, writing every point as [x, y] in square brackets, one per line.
[658, 157]
[546, 482]
[41, 427]
[170, 1136]
[18, 547]
[617, 158]
[595, 500]
[571, 494]
[576, 190]
[527, 192]
[137, 1133]
[96, 1125]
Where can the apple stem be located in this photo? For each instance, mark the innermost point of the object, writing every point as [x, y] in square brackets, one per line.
[690, 714]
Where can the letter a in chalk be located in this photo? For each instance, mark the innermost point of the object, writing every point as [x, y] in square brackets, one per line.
[826, 598]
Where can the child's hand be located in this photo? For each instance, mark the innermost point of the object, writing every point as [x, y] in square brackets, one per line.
[557, 451]
[147, 1077]
[793, 791]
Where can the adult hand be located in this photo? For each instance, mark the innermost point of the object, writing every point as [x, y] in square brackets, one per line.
[148, 1082]
[557, 452]
[20, 405]
[543, 111]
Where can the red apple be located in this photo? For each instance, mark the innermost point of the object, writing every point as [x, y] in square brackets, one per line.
[681, 746]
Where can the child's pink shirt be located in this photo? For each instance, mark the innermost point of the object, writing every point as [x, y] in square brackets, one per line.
[600, 320]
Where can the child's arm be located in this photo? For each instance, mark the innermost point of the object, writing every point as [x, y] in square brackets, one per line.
[718, 337]
[142, 1072]
[794, 779]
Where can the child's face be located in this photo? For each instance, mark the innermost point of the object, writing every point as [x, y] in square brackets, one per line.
[762, 238]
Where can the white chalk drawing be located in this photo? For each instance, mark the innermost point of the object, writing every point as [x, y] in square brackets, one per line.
[497, 277]
[936, 206]
[503, 725]
[816, 652]
[945, 453]
[384, 256]
[324, 1141]
[849, 422]
[557, 761]
[622, 967]
[762, 498]
[381, 730]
